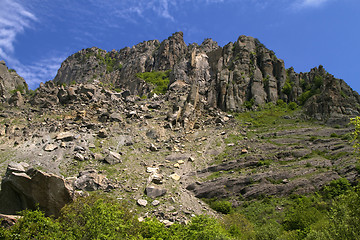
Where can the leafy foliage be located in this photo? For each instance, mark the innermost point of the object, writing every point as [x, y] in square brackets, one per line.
[356, 134]
[160, 80]
[308, 90]
[287, 88]
[223, 206]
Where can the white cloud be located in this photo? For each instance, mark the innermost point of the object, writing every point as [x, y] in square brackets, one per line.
[14, 19]
[309, 3]
[43, 70]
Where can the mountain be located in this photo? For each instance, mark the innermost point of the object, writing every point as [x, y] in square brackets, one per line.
[178, 125]
[241, 73]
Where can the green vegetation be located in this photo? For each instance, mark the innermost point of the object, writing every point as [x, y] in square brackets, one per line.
[11, 70]
[249, 104]
[333, 213]
[308, 90]
[160, 80]
[100, 217]
[287, 88]
[222, 206]
[19, 88]
[356, 135]
[268, 114]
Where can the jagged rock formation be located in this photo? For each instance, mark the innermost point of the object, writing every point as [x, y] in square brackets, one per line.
[10, 81]
[23, 188]
[239, 76]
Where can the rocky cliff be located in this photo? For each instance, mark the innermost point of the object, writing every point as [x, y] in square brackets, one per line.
[241, 75]
[10, 82]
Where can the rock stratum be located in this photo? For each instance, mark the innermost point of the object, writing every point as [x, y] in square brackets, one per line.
[165, 125]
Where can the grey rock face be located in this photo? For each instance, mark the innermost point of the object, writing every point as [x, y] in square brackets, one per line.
[24, 189]
[240, 76]
[10, 80]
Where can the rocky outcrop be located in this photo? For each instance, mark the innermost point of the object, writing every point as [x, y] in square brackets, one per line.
[24, 188]
[240, 76]
[10, 81]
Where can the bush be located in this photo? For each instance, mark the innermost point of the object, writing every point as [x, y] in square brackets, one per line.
[336, 188]
[33, 225]
[292, 106]
[280, 103]
[205, 228]
[224, 207]
[249, 104]
[287, 88]
[160, 80]
[97, 217]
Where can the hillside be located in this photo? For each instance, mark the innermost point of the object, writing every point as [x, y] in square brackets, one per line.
[180, 126]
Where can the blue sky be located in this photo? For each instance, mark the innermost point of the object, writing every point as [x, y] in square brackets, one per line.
[37, 35]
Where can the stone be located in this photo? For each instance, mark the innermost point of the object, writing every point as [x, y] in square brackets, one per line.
[65, 136]
[102, 133]
[175, 177]
[155, 202]
[22, 190]
[7, 221]
[157, 178]
[115, 117]
[50, 147]
[142, 202]
[244, 151]
[176, 165]
[152, 169]
[79, 157]
[112, 158]
[167, 223]
[153, 148]
[91, 180]
[154, 192]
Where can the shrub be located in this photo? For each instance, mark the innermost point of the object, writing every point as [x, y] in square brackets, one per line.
[280, 103]
[224, 207]
[336, 188]
[33, 225]
[334, 135]
[249, 104]
[205, 228]
[292, 106]
[97, 217]
[160, 80]
[287, 88]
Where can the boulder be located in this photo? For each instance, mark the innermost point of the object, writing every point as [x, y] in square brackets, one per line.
[142, 202]
[91, 180]
[50, 147]
[25, 189]
[112, 158]
[154, 192]
[65, 136]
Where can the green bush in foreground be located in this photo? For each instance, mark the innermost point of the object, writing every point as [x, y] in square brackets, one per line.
[333, 213]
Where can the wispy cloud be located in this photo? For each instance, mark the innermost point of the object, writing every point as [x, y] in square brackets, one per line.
[14, 19]
[309, 3]
[43, 70]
